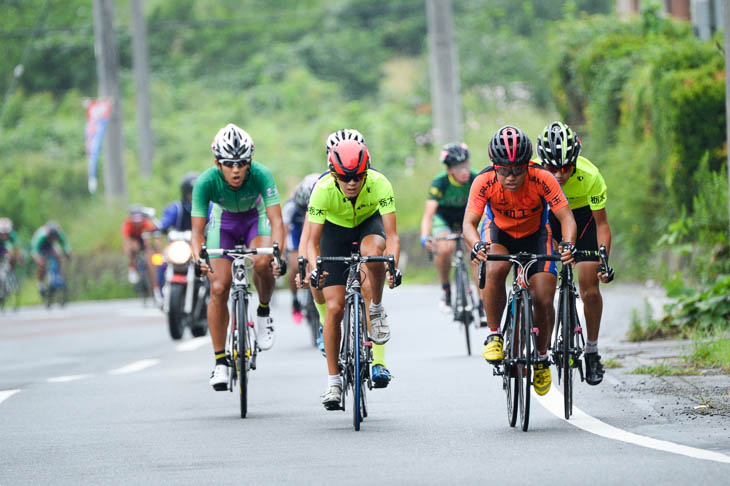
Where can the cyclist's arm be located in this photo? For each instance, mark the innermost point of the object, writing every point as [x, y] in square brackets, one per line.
[567, 223]
[428, 212]
[198, 236]
[64, 243]
[603, 230]
[392, 240]
[304, 238]
[469, 228]
[277, 224]
[315, 236]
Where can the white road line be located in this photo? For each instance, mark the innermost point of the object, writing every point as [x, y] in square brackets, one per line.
[5, 394]
[553, 402]
[64, 379]
[134, 367]
[193, 344]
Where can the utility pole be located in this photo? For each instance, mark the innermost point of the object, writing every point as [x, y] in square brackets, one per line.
[444, 73]
[142, 88]
[726, 17]
[107, 70]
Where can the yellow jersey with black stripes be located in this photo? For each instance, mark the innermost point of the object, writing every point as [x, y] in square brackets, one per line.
[586, 186]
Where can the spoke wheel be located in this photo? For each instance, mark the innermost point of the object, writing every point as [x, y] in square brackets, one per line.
[242, 350]
[357, 387]
[462, 314]
[525, 324]
[510, 378]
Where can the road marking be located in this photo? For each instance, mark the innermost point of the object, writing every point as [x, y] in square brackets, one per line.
[193, 344]
[134, 367]
[5, 394]
[64, 379]
[553, 402]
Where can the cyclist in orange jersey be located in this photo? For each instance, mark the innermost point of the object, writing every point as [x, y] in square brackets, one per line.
[514, 198]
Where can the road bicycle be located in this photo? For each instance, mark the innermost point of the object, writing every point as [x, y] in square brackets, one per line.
[568, 341]
[466, 307]
[55, 282]
[241, 345]
[9, 286]
[311, 314]
[356, 349]
[520, 335]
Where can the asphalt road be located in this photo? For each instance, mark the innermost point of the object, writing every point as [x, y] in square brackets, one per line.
[98, 393]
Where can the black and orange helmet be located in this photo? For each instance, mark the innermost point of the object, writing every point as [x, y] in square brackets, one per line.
[510, 146]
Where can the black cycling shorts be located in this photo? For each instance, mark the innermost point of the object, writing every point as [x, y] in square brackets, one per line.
[337, 241]
[587, 238]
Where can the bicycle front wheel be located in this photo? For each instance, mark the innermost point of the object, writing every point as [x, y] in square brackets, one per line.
[243, 353]
[463, 314]
[357, 352]
[525, 326]
[511, 379]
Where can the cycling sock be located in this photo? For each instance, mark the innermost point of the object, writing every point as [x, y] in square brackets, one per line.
[376, 307]
[378, 354]
[592, 346]
[494, 331]
[321, 308]
[543, 356]
[220, 358]
[446, 287]
[334, 380]
[263, 310]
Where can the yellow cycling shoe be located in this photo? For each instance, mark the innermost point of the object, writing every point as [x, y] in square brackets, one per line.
[542, 379]
[493, 348]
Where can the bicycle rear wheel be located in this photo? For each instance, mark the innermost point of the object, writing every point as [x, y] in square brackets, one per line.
[463, 315]
[312, 317]
[242, 351]
[524, 327]
[357, 384]
[510, 377]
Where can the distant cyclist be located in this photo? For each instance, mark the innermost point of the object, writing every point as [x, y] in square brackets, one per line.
[352, 204]
[9, 242]
[444, 211]
[48, 240]
[246, 211]
[137, 223]
[294, 213]
[559, 149]
[514, 197]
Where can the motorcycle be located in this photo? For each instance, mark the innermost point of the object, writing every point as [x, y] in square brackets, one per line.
[186, 296]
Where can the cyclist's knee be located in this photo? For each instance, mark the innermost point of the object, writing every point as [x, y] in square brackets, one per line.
[590, 295]
[218, 291]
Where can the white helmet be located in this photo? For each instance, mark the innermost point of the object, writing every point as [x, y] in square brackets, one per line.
[304, 190]
[344, 134]
[231, 142]
[6, 225]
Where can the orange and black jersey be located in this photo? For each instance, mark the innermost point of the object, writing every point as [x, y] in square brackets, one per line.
[519, 213]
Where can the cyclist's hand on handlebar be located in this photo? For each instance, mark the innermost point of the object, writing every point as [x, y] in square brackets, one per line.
[201, 268]
[301, 283]
[394, 280]
[567, 252]
[605, 275]
[479, 251]
[427, 243]
[279, 270]
[316, 279]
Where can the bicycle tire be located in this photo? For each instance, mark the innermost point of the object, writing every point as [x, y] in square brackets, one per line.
[526, 338]
[242, 351]
[509, 377]
[567, 352]
[461, 304]
[312, 317]
[357, 354]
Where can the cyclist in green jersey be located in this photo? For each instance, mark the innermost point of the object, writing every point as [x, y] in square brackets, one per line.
[559, 149]
[9, 242]
[352, 204]
[444, 211]
[46, 241]
[246, 210]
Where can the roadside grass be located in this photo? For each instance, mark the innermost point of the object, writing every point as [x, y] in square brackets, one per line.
[665, 369]
[711, 353]
[612, 363]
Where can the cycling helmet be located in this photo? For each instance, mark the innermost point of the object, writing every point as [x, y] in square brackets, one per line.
[136, 213]
[53, 228]
[454, 153]
[188, 180]
[340, 135]
[231, 142]
[349, 157]
[558, 146]
[510, 146]
[6, 225]
[304, 190]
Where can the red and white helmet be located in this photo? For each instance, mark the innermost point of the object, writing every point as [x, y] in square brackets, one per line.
[349, 158]
[6, 225]
[340, 135]
[232, 142]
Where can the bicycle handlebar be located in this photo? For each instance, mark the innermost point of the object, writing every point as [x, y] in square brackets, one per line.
[355, 260]
[239, 251]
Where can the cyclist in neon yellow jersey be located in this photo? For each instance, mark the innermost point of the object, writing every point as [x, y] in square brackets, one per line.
[246, 210]
[352, 203]
[559, 149]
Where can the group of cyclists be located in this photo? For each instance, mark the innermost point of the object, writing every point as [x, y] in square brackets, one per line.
[554, 202]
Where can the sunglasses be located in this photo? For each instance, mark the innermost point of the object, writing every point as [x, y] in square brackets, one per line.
[348, 178]
[555, 170]
[231, 163]
[516, 170]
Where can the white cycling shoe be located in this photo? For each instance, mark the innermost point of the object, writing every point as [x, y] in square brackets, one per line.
[265, 332]
[219, 378]
[332, 398]
[380, 330]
